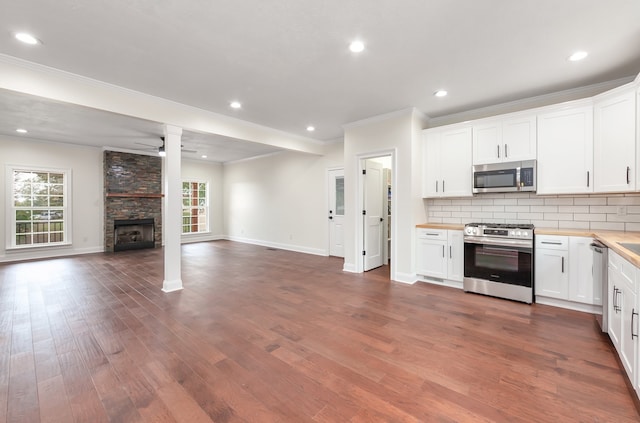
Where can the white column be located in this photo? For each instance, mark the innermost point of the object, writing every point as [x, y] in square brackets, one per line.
[172, 226]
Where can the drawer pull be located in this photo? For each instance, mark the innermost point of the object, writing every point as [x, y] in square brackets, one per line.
[551, 242]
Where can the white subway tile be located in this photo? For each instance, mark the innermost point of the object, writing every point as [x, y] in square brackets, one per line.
[558, 201]
[558, 216]
[435, 220]
[471, 208]
[573, 209]
[505, 202]
[553, 224]
[628, 218]
[482, 215]
[531, 216]
[493, 208]
[603, 209]
[624, 201]
[442, 202]
[451, 208]
[632, 227]
[482, 202]
[461, 214]
[590, 217]
[544, 209]
[442, 214]
[531, 202]
[517, 209]
[590, 201]
[633, 209]
[506, 216]
[569, 224]
[451, 220]
[461, 202]
[608, 226]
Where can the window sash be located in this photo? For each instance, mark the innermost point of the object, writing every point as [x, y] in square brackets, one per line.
[38, 207]
[195, 207]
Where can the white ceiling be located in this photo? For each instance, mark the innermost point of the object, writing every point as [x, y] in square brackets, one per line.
[288, 61]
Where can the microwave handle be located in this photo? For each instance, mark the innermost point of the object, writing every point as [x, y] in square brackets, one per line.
[518, 178]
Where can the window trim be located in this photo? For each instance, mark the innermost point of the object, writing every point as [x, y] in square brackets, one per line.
[10, 210]
[207, 208]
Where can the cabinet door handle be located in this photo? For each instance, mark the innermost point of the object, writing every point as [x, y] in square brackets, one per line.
[633, 314]
[431, 234]
[505, 151]
[450, 254]
[443, 252]
[551, 242]
[436, 186]
[498, 150]
[587, 179]
[443, 185]
[628, 170]
[562, 264]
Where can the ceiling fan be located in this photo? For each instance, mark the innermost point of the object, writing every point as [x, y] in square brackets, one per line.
[160, 148]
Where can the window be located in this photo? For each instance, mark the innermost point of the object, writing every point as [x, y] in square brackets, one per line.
[195, 207]
[38, 210]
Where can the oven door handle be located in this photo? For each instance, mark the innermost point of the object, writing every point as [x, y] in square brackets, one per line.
[499, 242]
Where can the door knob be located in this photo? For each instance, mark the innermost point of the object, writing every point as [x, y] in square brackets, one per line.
[330, 217]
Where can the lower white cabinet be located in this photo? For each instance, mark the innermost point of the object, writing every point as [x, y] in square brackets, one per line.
[623, 313]
[440, 254]
[563, 269]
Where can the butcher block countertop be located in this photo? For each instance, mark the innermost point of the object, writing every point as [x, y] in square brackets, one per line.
[609, 238]
[451, 226]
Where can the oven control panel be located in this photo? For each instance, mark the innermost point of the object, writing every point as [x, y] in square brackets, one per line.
[499, 231]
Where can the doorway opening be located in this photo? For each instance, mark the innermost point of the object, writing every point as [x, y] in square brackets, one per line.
[376, 190]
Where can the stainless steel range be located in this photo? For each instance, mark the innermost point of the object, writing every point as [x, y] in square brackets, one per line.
[498, 260]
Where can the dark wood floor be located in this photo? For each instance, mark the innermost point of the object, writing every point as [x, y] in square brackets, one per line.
[273, 336]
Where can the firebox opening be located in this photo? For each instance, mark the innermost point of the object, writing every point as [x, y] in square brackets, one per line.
[133, 234]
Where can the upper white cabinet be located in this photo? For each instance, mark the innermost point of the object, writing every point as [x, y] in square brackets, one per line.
[565, 149]
[614, 143]
[447, 162]
[510, 138]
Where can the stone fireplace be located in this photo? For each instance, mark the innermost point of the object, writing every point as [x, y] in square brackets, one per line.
[133, 201]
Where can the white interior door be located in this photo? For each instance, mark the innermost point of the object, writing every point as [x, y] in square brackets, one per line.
[336, 212]
[373, 217]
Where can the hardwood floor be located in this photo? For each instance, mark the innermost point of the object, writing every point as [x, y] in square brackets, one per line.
[271, 336]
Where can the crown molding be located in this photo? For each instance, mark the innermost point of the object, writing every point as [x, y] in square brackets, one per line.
[379, 118]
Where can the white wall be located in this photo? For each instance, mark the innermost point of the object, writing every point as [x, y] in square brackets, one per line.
[213, 174]
[280, 200]
[86, 186]
[400, 133]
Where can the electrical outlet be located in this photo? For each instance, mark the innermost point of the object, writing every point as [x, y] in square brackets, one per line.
[622, 211]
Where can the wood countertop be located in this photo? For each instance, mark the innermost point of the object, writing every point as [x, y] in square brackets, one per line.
[441, 226]
[611, 239]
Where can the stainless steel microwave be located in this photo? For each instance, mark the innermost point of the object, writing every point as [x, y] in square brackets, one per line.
[505, 177]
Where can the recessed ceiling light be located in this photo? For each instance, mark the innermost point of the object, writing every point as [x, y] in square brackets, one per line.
[27, 38]
[311, 128]
[235, 105]
[21, 130]
[440, 93]
[578, 55]
[356, 46]
[204, 156]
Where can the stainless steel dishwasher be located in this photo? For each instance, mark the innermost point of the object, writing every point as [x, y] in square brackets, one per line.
[600, 267]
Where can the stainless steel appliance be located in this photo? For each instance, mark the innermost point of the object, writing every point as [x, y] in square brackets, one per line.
[600, 279]
[498, 260]
[505, 177]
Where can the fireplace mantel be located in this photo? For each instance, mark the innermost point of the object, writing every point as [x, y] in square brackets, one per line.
[133, 195]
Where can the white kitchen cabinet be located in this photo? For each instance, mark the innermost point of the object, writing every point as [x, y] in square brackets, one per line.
[623, 309]
[565, 149]
[614, 142]
[581, 284]
[551, 266]
[508, 138]
[439, 254]
[455, 265]
[447, 162]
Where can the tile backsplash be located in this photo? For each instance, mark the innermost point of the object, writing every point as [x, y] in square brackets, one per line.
[619, 212]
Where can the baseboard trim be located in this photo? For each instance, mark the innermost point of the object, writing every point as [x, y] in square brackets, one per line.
[172, 286]
[279, 246]
[555, 302]
[408, 278]
[47, 253]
